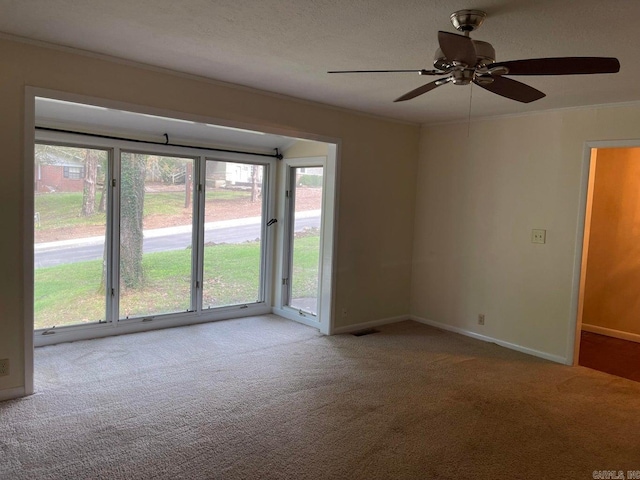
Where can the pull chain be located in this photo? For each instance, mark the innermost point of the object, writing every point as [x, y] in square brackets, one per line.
[469, 117]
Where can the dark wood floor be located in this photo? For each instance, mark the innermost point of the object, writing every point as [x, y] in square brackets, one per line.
[610, 355]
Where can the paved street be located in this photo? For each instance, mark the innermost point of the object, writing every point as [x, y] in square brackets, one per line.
[162, 239]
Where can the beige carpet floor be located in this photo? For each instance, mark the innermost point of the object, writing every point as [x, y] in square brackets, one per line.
[267, 398]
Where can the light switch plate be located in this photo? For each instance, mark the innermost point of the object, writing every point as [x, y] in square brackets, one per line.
[538, 236]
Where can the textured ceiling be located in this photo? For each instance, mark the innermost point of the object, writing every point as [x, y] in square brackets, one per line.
[286, 46]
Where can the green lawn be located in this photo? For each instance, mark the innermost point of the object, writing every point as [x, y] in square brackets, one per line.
[62, 210]
[69, 294]
[304, 281]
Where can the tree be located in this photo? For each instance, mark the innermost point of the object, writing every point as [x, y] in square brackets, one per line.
[254, 183]
[92, 160]
[103, 197]
[90, 180]
[132, 174]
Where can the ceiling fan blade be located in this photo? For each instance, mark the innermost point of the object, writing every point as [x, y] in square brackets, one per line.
[423, 89]
[561, 66]
[420, 71]
[458, 48]
[511, 89]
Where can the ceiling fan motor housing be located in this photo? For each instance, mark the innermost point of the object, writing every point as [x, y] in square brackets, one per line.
[484, 51]
[467, 20]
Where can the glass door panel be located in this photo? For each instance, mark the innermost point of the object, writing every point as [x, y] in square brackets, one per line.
[306, 205]
[233, 234]
[156, 234]
[70, 199]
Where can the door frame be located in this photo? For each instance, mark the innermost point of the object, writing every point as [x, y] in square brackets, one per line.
[326, 262]
[587, 182]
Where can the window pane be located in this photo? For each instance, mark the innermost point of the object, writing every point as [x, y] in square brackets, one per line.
[305, 253]
[156, 209]
[69, 235]
[233, 234]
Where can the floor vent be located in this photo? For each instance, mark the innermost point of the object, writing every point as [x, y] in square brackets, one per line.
[366, 331]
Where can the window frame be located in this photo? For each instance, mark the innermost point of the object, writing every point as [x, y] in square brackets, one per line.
[323, 320]
[267, 208]
[198, 315]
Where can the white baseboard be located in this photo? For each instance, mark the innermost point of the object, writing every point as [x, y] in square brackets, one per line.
[609, 332]
[370, 324]
[12, 393]
[485, 338]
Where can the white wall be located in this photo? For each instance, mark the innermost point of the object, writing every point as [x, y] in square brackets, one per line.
[378, 161]
[479, 196]
[306, 149]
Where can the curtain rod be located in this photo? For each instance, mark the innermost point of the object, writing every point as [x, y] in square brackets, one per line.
[277, 155]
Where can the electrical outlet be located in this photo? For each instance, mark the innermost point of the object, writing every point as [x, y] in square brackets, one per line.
[481, 319]
[4, 367]
[538, 236]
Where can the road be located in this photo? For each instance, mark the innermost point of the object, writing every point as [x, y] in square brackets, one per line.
[161, 240]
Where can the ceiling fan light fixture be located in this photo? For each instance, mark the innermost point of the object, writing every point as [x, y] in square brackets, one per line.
[462, 76]
[499, 70]
[483, 79]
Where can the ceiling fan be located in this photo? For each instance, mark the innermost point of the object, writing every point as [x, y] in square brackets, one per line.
[464, 60]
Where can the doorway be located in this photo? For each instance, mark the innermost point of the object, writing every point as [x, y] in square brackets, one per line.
[608, 327]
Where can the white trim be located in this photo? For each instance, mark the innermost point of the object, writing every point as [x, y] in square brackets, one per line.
[573, 346]
[622, 143]
[123, 327]
[610, 332]
[268, 239]
[485, 338]
[28, 242]
[302, 162]
[199, 199]
[13, 393]
[332, 193]
[370, 324]
[294, 315]
[327, 262]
